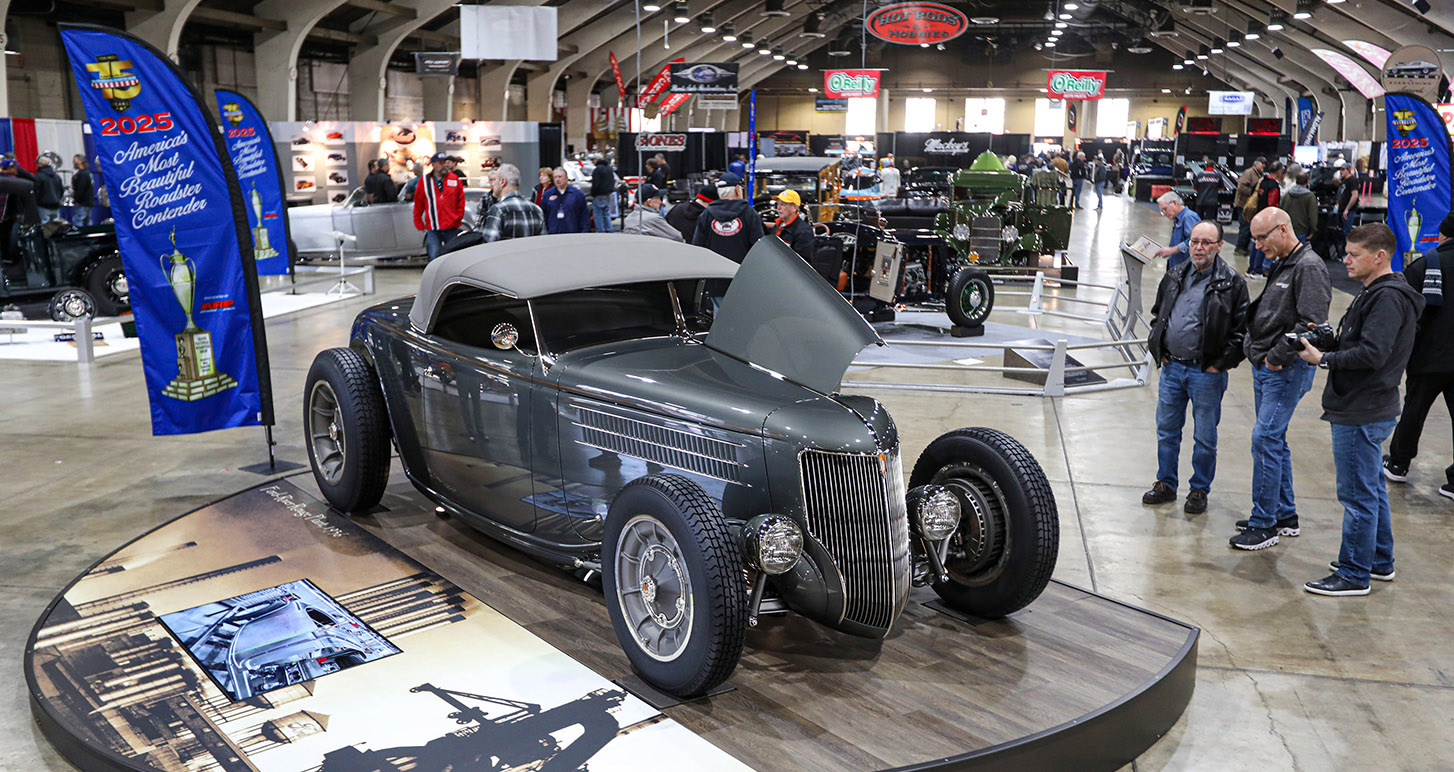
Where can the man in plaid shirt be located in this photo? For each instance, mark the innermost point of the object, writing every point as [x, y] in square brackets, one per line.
[513, 216]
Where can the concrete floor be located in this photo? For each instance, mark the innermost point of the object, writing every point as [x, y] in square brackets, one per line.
[1287, 680]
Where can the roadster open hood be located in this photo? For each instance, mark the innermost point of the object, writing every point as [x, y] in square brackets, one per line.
[780, 315]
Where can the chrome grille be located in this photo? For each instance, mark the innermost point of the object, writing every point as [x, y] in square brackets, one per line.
[855, 507]
[675, 448]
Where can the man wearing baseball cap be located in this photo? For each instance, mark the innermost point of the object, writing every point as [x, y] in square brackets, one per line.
[684, 216]
[438, 205]
[790, 226]
[451, 163]
[728, 226]
[646, 219]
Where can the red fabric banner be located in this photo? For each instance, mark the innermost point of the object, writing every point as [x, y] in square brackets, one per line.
[671, 103]
[658, 85]
[620, 83]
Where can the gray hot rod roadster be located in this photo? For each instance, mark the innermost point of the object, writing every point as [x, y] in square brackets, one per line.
[589, 400]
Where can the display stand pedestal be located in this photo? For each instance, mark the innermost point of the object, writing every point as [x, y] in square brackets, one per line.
[967, 332]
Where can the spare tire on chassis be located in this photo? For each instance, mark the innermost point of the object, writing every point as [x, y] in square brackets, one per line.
[346, 427]
[1001, 556]
[673, 580]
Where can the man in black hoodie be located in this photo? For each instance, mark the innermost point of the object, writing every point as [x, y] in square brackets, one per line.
[49, 190]
[1431, 365]
[684, 216]
[603, 187]
[729, 226]
[1361, 401]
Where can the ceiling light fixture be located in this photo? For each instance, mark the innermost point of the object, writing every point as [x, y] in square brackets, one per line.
[792, 62]
[729, 33]
[1050, 44]
[1061, 25]
[802, 66]
[1166, 91]
[680, 14]
[1304, 10]
[1254, 30]
[651, 7]
[1234, 39]
[812, 89]
[1218, 45]
[1275, 20]
[1202, 52]
[984, 20]
[765, 51]
[1187, 60]
[774, 8]
[811, 27]
[708, 27]
[1055, 33]
[928, 91]
[1070, 6]
[1064, 17]
[1140, 46]
[1422, 6]
[1177, 66]
[747, 40]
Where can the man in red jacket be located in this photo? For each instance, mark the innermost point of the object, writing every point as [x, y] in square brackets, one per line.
[438, 205]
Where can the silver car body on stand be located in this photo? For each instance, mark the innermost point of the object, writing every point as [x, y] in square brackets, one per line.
[383, 231]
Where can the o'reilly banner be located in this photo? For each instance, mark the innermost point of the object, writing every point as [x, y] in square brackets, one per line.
[259, 172]
[846, 84]
[1075, 84]
[1418, 174]
[704, 78]
[183, 236]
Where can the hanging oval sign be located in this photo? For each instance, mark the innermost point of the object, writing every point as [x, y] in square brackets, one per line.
[917, 23]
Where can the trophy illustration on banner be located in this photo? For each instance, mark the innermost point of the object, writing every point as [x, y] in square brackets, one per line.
[261, 247]
[197, 375]
[1414, 222]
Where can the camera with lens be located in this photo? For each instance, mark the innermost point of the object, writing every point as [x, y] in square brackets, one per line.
[1322, 337]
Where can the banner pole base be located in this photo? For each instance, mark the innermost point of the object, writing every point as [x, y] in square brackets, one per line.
[273, 466]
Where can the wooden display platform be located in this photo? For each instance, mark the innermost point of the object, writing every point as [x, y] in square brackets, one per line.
[1075, 681]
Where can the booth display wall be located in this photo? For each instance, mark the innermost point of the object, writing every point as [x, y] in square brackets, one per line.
[950, 148]
[704, 151]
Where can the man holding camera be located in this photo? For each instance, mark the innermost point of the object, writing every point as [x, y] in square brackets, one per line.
[1361, 401]
[1297, 294]
[1200, 320]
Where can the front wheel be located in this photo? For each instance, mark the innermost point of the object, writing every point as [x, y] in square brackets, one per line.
[346, 428]
[1002, 554]
[970, 297]
[106, 281]
[673, 584]
[68, 305]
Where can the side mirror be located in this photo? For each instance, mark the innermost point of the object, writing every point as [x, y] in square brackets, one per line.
[504, 336]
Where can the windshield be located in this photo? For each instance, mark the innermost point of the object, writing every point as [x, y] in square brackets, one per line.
[596, 315]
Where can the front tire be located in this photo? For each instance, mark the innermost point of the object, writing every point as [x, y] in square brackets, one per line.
[970, 297]
[346, 429]
[105, 280]
[673, 583]
[1003, 553]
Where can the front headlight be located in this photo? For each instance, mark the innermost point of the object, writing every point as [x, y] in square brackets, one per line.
[938, 513]
[772, 544]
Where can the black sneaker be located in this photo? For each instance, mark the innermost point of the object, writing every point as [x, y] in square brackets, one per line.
[1196, 502]
[1336, 586]
[1395, 472]
[1382, 577]
[1285, 527]
[1160, 493]
[1447, 490]
[1254, 539]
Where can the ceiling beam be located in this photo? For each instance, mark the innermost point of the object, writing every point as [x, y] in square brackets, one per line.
[378, 6]
[341, 36]
[234, 19]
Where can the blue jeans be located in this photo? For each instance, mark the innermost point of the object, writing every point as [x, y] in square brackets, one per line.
[601, 211]
[1257, 261]
[1180, 383]
[434, 240]
[1275, 396]
[47, 214]
[1100, 191]
[1075, 186]
[81, 216]
[1367, 526]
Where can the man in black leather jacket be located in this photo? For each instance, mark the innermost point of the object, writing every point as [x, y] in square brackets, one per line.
[1199, 323]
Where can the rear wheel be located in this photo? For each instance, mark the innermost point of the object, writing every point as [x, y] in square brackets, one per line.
[346, 426]
[673, 583]
[107, 283]
[970, 297]
[1001, 556]
[68, 305]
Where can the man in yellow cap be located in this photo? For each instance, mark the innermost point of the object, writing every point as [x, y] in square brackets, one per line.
[790, 226]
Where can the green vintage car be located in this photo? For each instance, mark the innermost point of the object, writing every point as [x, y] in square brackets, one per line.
[998, 217]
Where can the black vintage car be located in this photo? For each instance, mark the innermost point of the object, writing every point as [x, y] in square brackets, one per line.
[584, 399]
[76, 271]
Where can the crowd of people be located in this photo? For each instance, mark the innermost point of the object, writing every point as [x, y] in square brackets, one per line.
[1205, 323]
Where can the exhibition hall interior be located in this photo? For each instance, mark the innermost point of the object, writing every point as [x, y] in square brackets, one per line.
[776, 385]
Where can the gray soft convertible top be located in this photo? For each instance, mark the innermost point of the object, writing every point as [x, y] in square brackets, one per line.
[544, 265]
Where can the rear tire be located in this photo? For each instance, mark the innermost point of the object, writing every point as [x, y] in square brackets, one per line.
[1003, 553]
[970, 297]
[105, 281]
[673, 576]
[346, 429]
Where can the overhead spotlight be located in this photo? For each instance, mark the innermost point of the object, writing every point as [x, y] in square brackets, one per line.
[773, 8]
[792, 62]
[1202, 52]
[1254, 30]
[1038, 46]
[1064, 17]
[651, 7]
[1234, 39]
[1140, 46]
[680, 14]
[1187, 60]
[1050, 44]
[812, 89]
[764, 50]
[1275, 20]
[778, 56]
[811, 27]
[939, 46]
[928, 91]
[746, 39]
[1333, 2]
[1061, 25]
[1304, 10]
[729, 33]
[983, 20]
[1070, 6]
[1055, 33]
[1277, 52]
[923, 45]
[1218, 45]
[1177, 66]
[802, 66]
[1166, 91]
[708, 27]
[843, 46]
